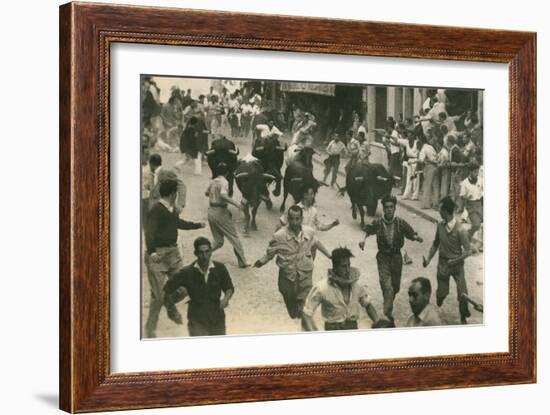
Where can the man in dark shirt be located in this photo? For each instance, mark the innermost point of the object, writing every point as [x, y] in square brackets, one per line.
[451, 239]
[390, 232]
[203, 281]
[163, 258]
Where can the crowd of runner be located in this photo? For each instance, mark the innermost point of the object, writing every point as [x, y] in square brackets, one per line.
[434, 156]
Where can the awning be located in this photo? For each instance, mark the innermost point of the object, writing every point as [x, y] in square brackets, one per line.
[308, 88]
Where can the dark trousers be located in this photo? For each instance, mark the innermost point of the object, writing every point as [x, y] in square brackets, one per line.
[395, 164]
[390, 266]
[332, 163]
[197, 328]
[294, 294]
[444, 274]
[343, 325]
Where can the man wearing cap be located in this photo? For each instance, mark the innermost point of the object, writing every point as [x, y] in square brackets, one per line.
[390, 232]
[340, 296]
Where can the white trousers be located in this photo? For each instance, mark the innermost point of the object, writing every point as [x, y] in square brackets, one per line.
[411, 187]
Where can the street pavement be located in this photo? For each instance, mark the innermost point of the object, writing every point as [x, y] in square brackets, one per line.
[257, 305]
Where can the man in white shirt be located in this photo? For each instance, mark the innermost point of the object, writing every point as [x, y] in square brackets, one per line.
[269, 130]
[335, 149]
[471, 194]
[411, 146]
[246, 118]
[340, 296]
[391, 139]
[310, 214]
[423, 312]
[429, 158]
[220, 218]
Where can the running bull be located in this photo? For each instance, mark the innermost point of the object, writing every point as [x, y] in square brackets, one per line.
[366, 184]
[223, 150]
[299, 174]
[270, 152]
[252, 182]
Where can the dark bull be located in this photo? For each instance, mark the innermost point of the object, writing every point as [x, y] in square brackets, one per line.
[299, 175]
[223, 150]
[366, 184]
[252, 183]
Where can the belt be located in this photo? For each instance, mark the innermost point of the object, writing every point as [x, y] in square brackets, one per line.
[392, 251]
[221, 205]
[341, 325]
[448, 259]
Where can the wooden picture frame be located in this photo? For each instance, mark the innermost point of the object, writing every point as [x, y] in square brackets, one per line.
[86, 33]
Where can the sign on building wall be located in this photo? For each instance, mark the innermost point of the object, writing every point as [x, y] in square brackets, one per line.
[308, 88]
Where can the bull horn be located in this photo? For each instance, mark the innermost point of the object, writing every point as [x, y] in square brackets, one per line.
[260, 148]
[243, 174]
[281, 148]
[296, 179]
[358, 178]
[233, 152]
[269, 176]
[210, 152]
[384, 179]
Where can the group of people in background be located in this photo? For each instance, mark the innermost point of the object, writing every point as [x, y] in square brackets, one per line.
[431, 156]
[434, 153]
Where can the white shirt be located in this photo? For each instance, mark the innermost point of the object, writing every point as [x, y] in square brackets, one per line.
[265, 131]
[428, 153]
[147, 181]
[426, 104]
[246, 109]
[335, 148]
[411, 151]
[444, 156]
[334, 308]
[428, 317]
[471, 191]
[310, 217]
[394, 148]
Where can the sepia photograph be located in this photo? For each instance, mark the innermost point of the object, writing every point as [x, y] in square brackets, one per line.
[276, 206]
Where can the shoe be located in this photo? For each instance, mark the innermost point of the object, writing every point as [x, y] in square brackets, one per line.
[244, 266]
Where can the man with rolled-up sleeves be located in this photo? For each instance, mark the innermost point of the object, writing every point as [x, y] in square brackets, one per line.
[293, 245]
